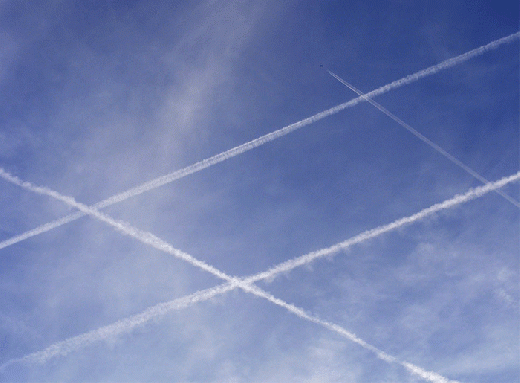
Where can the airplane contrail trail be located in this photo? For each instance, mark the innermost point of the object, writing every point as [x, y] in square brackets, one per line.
[121, 226]
[366, 235]
[198, 166]
[424, 139]
[411, 368]
[125, 325]
[247, 286]
[71, 344]
[150, 239]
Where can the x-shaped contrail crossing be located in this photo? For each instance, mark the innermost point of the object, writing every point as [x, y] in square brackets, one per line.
[246, 284]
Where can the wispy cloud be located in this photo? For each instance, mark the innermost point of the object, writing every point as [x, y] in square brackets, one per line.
[413, 369]
[69, 345]
[206, 163]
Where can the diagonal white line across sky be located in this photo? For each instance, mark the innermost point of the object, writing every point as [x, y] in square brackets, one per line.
[102, 96]
[198, 166]
[245, 284]
[424, 139]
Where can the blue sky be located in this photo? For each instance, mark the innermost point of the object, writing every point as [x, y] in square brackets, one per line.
[99, 97]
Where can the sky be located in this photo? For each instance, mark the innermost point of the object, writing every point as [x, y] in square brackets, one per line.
[99, 97]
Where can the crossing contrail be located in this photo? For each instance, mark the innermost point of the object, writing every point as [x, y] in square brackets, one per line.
[160, 244]
[126, 325]
[424, 139]
[121, 226]
[71, 344]
[198, 166]
[156, 242]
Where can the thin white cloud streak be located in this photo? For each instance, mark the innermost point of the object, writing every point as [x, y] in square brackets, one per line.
[67, 346]
[121, 226]
[424, 139]
[411, 368]
[369, 234]
[71, 344]
[122, 326]
[154, 241]
[160, 244]
[41, 229]
[206, 163]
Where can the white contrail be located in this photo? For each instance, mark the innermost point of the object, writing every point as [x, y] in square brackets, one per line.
[156, 242]
[126, 325]
[413, 369]
[122, 326]
[424, 139]
[457, 200]
[150, 239]
[41, 229]
[163, 180]
[71, 344]
[123, 227]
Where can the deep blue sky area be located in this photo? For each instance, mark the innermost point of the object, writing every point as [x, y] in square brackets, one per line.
[98, 97]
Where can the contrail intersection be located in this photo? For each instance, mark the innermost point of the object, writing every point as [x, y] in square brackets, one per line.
[245, 283]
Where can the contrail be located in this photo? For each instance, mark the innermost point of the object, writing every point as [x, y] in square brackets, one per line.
[198, 166]
[71, 344]
[156, 242]
[126, 325]
[424, 139]
[122, 227]
[457, 200]
[411, 368]
[122, 326]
